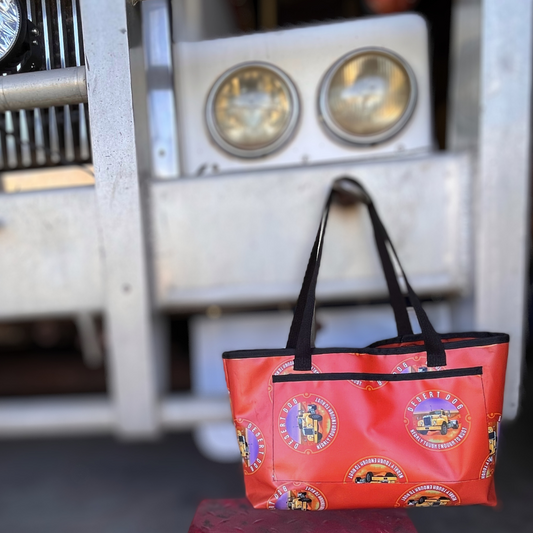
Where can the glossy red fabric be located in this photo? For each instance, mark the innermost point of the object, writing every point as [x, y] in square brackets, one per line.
[329, 443]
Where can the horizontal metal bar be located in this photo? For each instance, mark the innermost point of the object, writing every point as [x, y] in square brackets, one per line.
[85, 415]
[55, 416]
[45, 88]
[186, 411]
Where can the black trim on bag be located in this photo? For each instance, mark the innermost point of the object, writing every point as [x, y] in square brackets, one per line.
[500, 338]
[358, 376]
[473, 340]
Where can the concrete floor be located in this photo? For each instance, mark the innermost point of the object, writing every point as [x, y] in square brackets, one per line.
[100, 485]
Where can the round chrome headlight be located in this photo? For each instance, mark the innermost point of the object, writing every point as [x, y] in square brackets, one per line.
[252, 110]
[368, 96]
[10, 25]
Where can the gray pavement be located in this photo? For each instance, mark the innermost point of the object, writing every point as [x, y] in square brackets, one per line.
[99, 485]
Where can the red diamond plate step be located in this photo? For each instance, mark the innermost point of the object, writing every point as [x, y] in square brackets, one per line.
[238, 516]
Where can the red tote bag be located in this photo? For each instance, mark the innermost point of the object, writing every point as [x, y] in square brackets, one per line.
[406, 422]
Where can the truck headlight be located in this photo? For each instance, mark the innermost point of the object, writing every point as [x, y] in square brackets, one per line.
[252, 110]
[20, 46]
[10, 26]
[367, 96]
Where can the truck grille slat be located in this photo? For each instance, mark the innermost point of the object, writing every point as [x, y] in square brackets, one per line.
[67, 124]
[85, 152]
[58, 135]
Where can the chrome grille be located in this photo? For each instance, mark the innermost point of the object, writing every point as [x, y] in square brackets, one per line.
[58, 135]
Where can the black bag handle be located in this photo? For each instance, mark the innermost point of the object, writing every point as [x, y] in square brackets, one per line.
[300, 336]
[346, 194]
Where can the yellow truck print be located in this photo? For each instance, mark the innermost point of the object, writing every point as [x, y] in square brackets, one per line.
[439, 420]
[298, 501]
[243, 445]
[370, 477]
[425, 501]
[493, 440]
[309, 422]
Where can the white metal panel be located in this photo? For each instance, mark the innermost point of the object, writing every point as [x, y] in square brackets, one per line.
[51, 258]
[245, 239]
[502, 185]
[305, 55]
[242, 239]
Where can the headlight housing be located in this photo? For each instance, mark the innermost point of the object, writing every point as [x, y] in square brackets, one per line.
[252, 110]
[11, 26]
[367, 96]
[20, 49]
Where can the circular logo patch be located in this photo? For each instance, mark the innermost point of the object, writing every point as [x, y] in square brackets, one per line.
[375, 470]
[287, 367]
[428, 496]
[298, 497]
[412, 365]
[437, 420]
[251, 445]
[307, 423]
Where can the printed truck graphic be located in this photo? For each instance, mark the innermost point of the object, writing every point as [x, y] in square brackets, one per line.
[371, 477]
[425, 501]
[298, 501]
[493, 440]
[243, 445]
[309, 422]
[440, 420]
